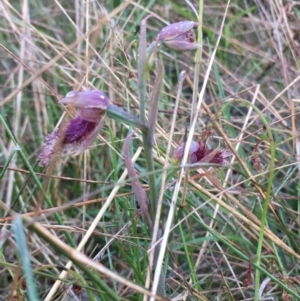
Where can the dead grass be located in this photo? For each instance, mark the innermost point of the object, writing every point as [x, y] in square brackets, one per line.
[50, 48]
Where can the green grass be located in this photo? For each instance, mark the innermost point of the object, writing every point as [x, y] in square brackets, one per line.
[229, 233]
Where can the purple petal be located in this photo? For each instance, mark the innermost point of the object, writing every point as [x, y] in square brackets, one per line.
[179, 36]
[87, 99]
[199, 153]
[78, 135]
[92, 114]
[179, 151]
[78, 129]
[218, 156]
[173, 30]
[81, 130]
[88, 139]
[181, 45]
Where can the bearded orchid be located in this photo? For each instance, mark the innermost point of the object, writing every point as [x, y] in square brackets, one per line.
[81, 130]
[179, 36]
[200, 153]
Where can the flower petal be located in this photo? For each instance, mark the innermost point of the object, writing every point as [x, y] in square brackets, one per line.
[179, 36]
[173, 30]
[200, 153]
[80, 130]
[88, 139]
[181, 45]
[87, 99]
[91, 114]
[77, 129]
[179, 151]
[217, 156]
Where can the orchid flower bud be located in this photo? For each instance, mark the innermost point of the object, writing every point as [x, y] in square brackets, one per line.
[200, 153]
[81, 130]
[179, 36]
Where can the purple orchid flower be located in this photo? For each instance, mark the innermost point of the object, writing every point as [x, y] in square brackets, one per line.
[179, 36]
[81, 130]
[200, 153]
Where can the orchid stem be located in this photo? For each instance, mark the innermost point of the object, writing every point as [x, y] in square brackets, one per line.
[143, 72]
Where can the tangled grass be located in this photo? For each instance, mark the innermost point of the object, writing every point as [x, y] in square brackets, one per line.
[227, 233]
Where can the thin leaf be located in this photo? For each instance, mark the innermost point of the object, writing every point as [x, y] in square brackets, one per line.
[136, 185]
[119, 114]
[25, 257]
[8, 161]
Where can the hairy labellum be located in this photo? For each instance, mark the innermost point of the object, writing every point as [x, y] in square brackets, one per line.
[200, 153]
[77, 129]
[81, 130]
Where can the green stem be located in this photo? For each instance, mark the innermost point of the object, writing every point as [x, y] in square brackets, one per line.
[143, 72]
[7, 162]
[37, 181]
[198, 57]
[151, 176]
[120, 115]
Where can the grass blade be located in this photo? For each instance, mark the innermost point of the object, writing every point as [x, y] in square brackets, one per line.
[18, 228]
